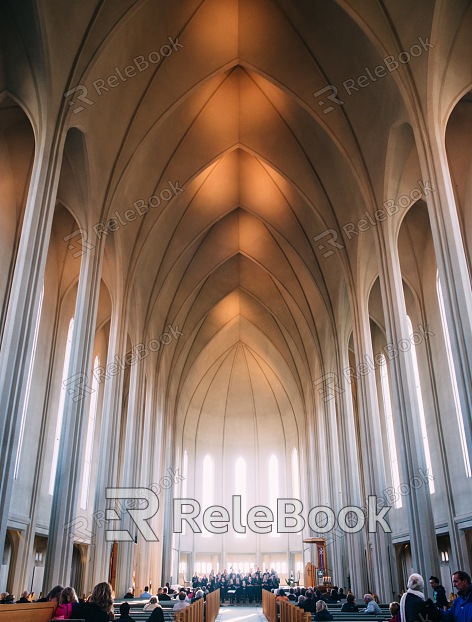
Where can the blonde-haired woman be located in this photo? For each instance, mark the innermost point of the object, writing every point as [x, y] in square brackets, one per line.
[322, 612]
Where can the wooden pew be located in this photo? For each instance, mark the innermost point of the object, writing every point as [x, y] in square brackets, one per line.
[194, 613]
[27, 612]
[212, 606]
[269, 605]
[290, 613]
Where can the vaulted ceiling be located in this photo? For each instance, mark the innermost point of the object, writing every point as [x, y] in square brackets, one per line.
[237, 130]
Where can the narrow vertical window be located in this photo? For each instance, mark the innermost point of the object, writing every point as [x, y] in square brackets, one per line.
[184, 485]
[273, 488]
[240, 487]
[28, 386]
[452, 372]
[295, 474]
[424, 432]
[89, 439]
[208, 484]
[392, 447]
[60, 412]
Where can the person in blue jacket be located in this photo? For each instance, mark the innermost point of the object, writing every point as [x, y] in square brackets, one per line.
[461, 608]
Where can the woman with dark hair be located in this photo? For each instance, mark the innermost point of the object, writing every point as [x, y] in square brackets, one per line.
[350, 604]
[53, 595]
[98, 608]
[157, 615]
[395, 611]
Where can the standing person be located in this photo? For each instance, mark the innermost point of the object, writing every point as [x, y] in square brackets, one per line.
[461, 608]
[395, 611]
[439, 594]
[412, 603]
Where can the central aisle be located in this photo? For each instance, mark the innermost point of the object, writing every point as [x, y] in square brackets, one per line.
[241, 614]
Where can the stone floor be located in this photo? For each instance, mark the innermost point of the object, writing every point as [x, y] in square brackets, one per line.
[241, 613]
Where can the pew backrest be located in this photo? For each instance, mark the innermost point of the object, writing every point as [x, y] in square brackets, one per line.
[27, 612]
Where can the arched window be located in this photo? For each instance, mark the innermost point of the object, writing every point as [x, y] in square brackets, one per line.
[424, 432]
[392, 447]
[452, 372]
[295, 474]
[28, 386]
[273, 488]
[60, 412]
[89, 439]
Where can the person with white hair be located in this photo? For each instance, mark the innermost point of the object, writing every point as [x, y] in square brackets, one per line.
[372, 607]
[198, 594]
[412, 603]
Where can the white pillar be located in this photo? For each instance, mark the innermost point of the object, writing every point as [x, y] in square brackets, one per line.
[130, 479]
[406, 413]
[378, 545]
[71, 449]
[23, 304]
[456, 288]
[107, 469]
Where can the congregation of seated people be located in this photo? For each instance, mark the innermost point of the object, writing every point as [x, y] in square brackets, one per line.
[100, 605]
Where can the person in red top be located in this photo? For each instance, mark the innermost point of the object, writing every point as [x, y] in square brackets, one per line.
[281, 596]
[67, 599]
[395, 611]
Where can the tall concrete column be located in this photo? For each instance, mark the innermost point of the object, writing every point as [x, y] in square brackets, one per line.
[378, 544]
[23, 304]
[335, 561]
[452, 267]
[456, 288]
[406, 415]
[354, 544]
[143, 573]
[130, 478]
[72, 444]
[107, 469]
